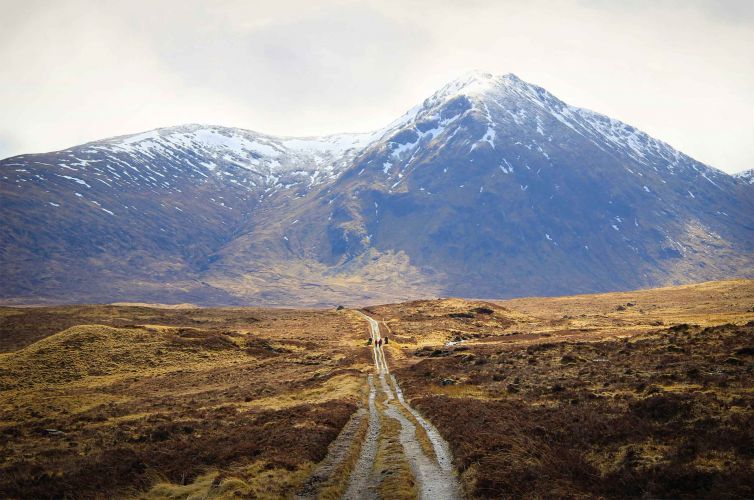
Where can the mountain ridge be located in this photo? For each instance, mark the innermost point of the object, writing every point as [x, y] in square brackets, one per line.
[220, 215]
[745, 175]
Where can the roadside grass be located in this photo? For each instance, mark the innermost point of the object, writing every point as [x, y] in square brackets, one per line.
[667, 414]
[337, 485]
[257, 480]
[338, 387]
[247, 397]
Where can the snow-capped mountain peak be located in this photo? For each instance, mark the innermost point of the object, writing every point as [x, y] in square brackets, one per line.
[253, 158]
[241, 144]
[472, 83]
[491, 186]
[747, 176]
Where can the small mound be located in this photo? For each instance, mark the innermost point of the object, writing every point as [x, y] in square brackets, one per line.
[430, 310]
[98, 350]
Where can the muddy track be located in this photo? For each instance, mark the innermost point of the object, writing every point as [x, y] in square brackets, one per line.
[362, 483]
[431, 464]
[433, 475]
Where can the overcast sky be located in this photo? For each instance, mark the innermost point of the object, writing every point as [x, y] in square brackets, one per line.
[76, 71]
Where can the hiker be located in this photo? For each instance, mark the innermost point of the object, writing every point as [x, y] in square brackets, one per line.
[379, 343]
[369, 341]
[386, 340]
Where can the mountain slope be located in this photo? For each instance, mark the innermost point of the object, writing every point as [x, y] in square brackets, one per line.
[130, 216]
[490, 187]
[746, 176]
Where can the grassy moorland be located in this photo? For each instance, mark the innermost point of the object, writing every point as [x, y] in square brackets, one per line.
[638, 394]
[647, 393]
[102, 401]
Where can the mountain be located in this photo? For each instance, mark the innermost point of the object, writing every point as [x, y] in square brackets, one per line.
[492, 187]
[746, 176]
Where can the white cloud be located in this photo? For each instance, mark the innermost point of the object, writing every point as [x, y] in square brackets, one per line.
[82, 70]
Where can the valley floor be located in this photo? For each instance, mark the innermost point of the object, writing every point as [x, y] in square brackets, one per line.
[636, 394]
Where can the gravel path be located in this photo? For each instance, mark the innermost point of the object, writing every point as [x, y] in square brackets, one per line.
[362, 483]
[434, 476]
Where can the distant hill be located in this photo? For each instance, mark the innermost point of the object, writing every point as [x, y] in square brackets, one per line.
[492, 187]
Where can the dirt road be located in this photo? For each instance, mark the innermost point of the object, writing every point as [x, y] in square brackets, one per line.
[431, 468]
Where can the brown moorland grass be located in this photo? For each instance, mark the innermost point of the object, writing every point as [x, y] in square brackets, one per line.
[391, 465]
[133, 401]
[651, 399]
[636, 394]
[336, 485]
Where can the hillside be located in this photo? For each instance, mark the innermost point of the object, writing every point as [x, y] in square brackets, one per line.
[490, 187]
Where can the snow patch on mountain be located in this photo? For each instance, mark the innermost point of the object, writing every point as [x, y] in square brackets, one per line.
[747, 176]
[495, 107]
